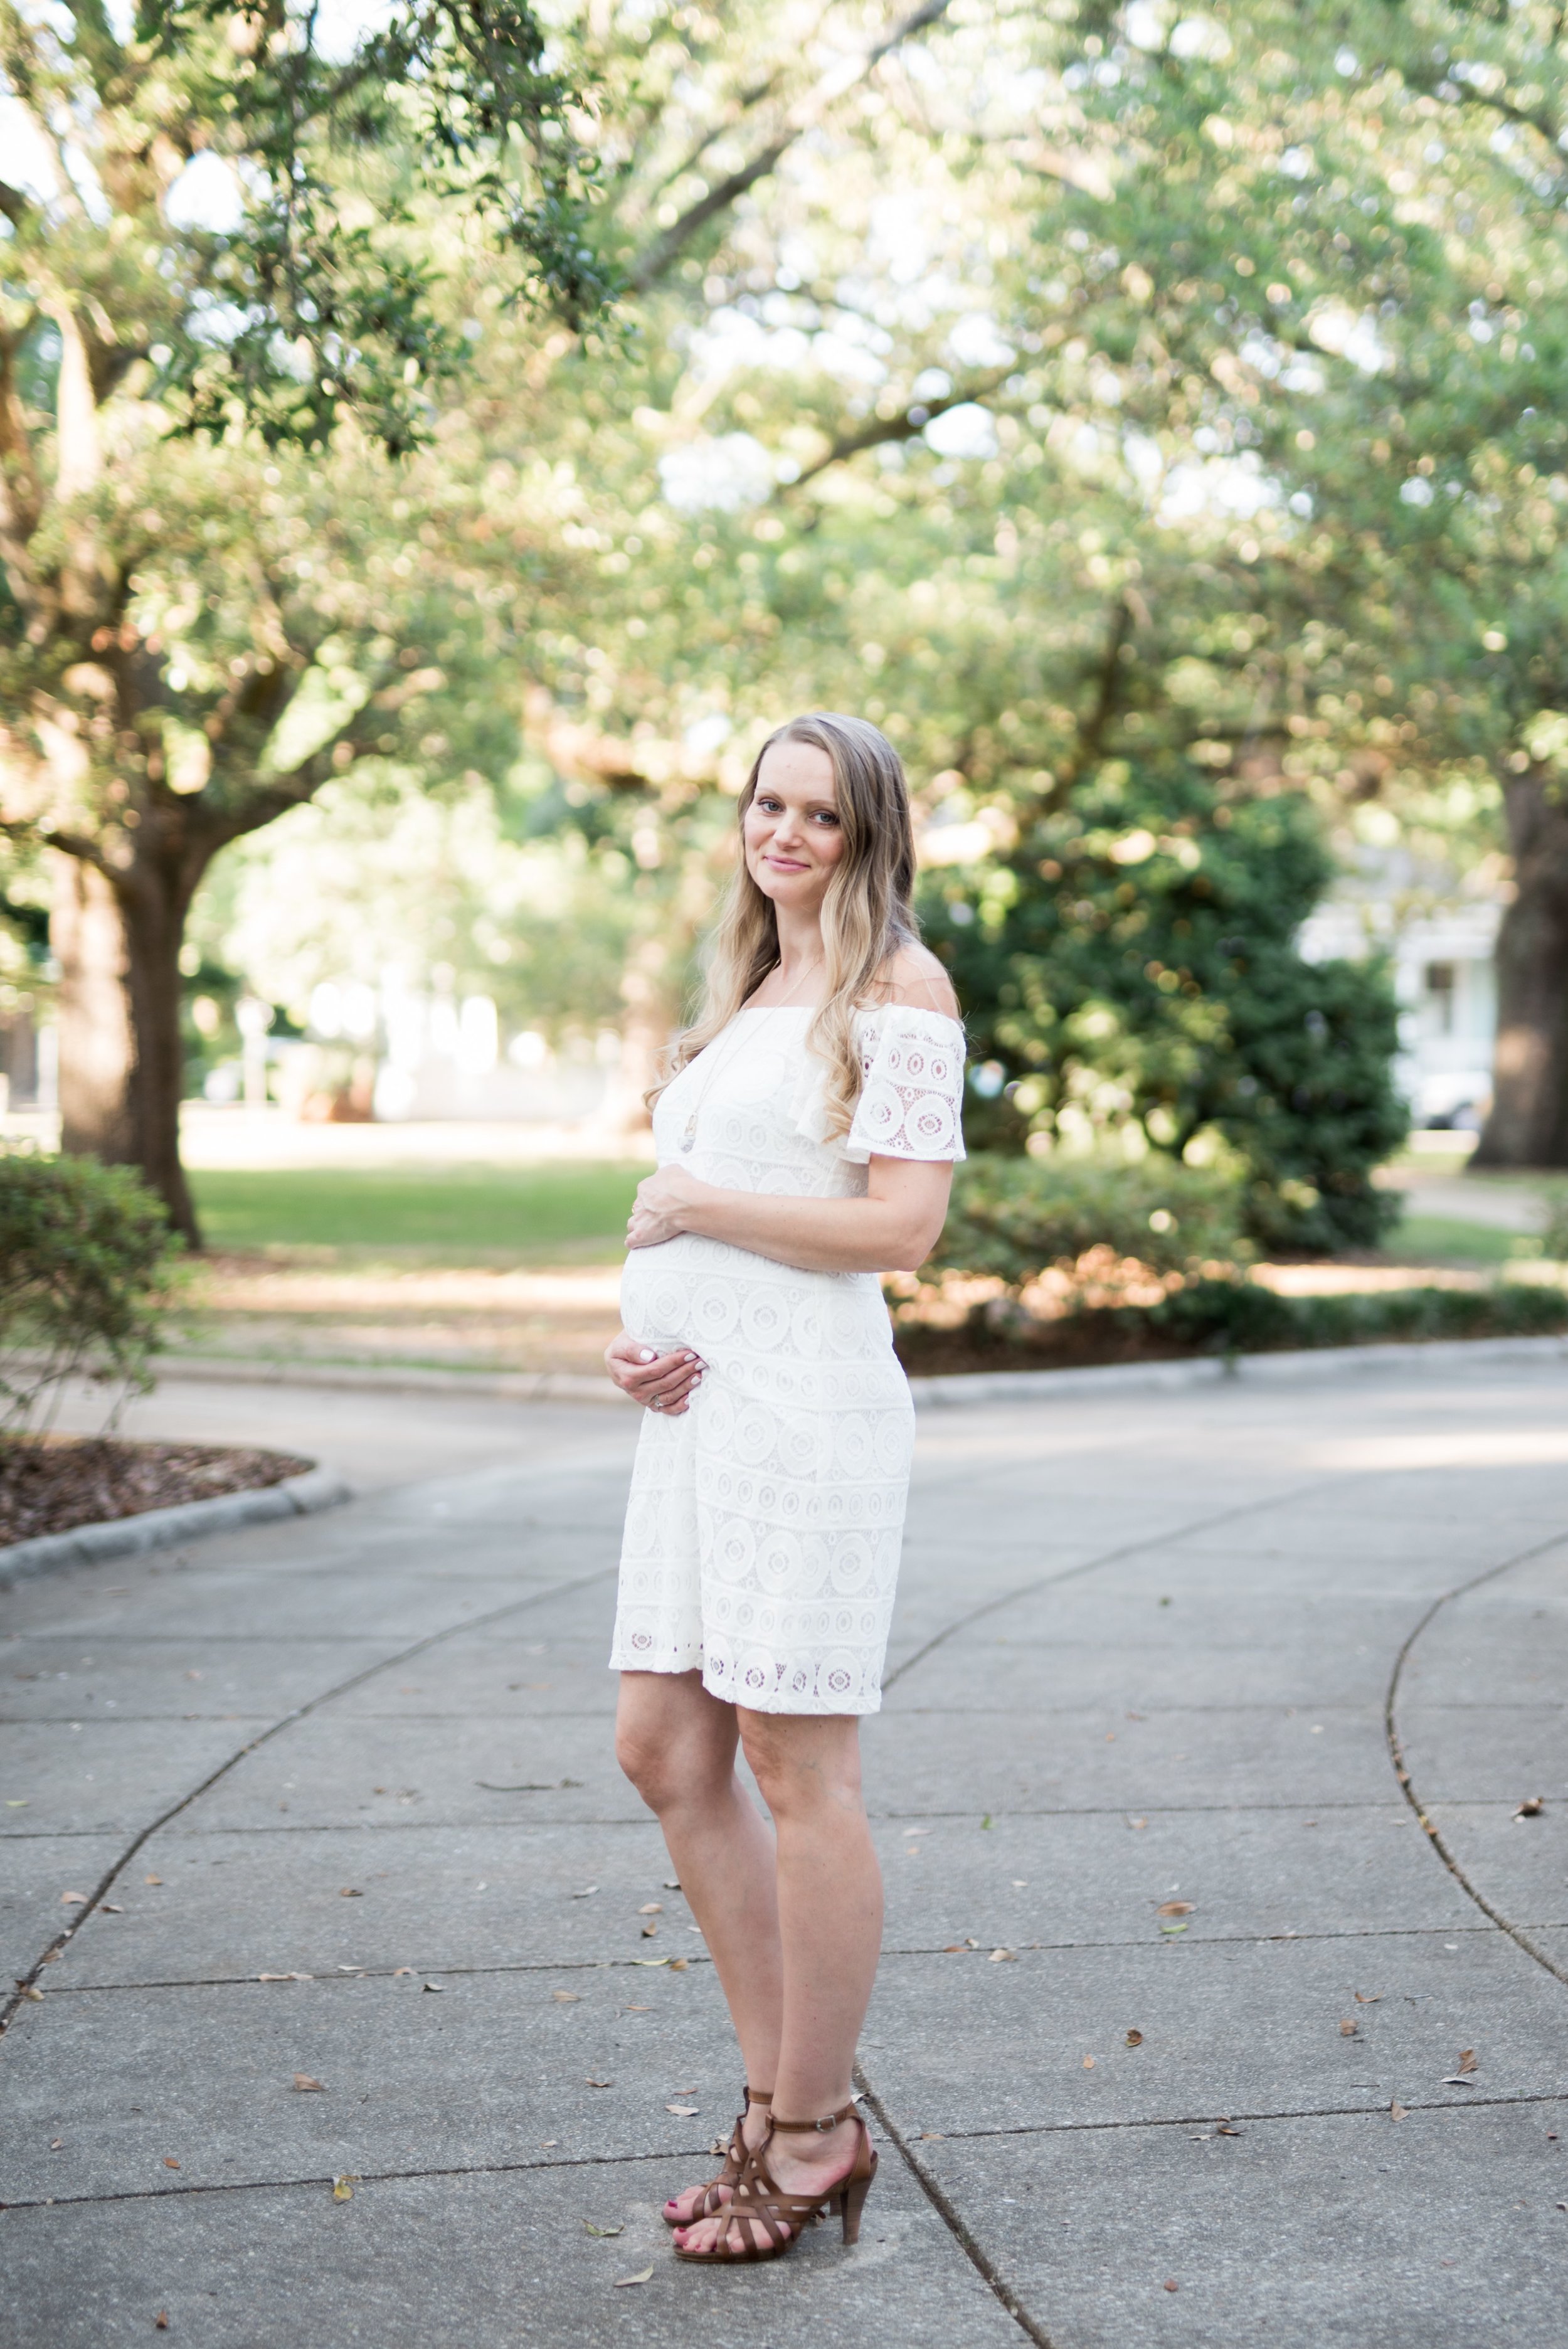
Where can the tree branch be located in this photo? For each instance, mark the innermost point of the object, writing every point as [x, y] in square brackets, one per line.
[1107, 694]
[659, 258]
[881, 429]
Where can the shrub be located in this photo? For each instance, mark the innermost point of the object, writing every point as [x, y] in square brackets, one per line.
[1242, 1316]
[1132, 959]
[1017, 1218]
[86, 1260]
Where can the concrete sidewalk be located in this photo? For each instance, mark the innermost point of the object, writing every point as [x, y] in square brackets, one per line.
[1143, 1654]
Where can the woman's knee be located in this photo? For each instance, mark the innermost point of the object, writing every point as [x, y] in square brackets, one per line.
[801, 1761]
[673, 1751]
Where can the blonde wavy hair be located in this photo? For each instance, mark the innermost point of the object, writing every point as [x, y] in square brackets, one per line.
[867, 914]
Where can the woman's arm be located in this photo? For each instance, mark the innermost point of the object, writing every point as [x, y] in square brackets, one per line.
[892, 1229]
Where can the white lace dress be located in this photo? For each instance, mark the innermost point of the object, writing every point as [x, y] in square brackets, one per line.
[764, 1526]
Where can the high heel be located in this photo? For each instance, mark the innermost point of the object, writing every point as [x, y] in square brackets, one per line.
[852, 2201]
[713, 2198]
[772, 2220]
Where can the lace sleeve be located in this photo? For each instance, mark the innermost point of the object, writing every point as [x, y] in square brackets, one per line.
[911, 1105]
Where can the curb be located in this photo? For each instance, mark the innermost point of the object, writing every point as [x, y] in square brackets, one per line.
[296, 1496]
[1213, 1370]
[950, 1393]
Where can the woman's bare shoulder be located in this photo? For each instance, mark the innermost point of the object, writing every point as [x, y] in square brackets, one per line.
[914, 977]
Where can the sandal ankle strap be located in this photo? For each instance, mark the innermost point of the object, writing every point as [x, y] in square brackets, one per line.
[758, 2096]
[844, 2113]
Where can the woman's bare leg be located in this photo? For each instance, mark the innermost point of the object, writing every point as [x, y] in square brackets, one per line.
[677, 1746]
[830, 1919]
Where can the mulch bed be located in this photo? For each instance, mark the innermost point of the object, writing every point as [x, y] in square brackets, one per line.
[1078, 1342]
[49, 1487]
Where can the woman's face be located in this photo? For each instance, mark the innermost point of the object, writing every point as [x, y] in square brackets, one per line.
[793, 835]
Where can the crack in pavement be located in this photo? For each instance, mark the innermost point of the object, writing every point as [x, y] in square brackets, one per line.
[1517, 1933]
[26, 1983]
[343, 1976]
[185, 2190]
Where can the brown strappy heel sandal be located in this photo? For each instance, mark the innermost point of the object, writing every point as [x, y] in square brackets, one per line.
[717, 2191]
[773, 2220]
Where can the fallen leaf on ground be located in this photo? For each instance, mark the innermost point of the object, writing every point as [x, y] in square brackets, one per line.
[1369, 1998]
[641, 2277]
[672, 1884]
[1173, 1929]
[16, 1802]
[1532, 1808]
[284, 1977]
[676, 1965]
[307, 2085]
[953, 1949]
[652, 1908]
[1171, 2282]
[1001, 1957]
[566, 1997]
[1137, 1823]
[169, 2162]
[592, 2230]
[397, 1971]
[348, 1892]
[1226, 2128]
[1175, 1908]
[1395, 2111]
[56, 2143]
[437, 1987]
[601, 2083]
[161, 2322]
[152, 1879]
[649, 1933]
[110, 1908]
[685, 2112]
[1133, 2039]
[73, 1899]
[586, 1893]
[1348, 2030]
[343, 2187]
[929, 2136]
[1467, 2062]
[1088, 2063]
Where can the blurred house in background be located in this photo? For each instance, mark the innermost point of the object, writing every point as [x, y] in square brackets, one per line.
[1446, 984]
[400, 1054]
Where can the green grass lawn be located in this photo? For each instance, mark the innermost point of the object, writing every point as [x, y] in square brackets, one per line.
[1446, 1236]
[451, 1214]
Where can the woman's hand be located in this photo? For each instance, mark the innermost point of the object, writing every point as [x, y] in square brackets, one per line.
[661, 1383]
[658, 1215]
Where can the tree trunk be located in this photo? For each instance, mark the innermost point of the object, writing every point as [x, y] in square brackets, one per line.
[1528, 1126]
[116, 942]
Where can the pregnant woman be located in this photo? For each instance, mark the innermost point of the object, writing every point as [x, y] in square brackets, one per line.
[805, 1139]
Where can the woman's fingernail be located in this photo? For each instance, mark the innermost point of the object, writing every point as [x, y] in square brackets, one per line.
[647, 1355]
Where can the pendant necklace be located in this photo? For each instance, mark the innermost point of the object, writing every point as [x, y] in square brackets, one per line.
[688, 1139]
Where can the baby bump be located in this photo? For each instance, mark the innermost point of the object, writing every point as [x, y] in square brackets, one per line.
[656, 1295]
